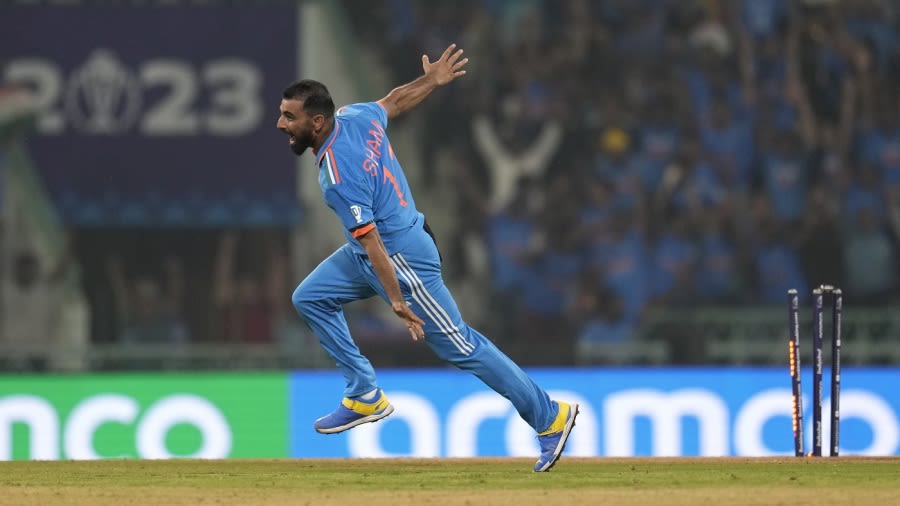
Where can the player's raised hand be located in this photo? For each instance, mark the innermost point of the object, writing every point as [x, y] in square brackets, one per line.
[447, 68]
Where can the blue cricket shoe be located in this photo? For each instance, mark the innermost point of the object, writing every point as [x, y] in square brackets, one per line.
[553, 440]
[353, 412]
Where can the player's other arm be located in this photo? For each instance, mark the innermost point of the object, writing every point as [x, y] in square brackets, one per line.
[381, 263]
[447, 68]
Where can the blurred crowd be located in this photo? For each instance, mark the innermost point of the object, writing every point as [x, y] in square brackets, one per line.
[617, 155]
[600, 159]
[178, 287]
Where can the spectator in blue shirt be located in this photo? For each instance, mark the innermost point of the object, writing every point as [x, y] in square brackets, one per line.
[777, 265]
[730, 143]
[718, 277]
[783, 168]
[674, 259]
[871, 260]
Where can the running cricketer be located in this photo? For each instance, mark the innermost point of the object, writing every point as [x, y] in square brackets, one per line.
[391, 252]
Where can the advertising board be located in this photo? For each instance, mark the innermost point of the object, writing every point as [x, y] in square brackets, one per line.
[158, 115]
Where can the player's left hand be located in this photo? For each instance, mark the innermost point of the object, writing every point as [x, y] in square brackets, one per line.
[447, 67]
[415, 324]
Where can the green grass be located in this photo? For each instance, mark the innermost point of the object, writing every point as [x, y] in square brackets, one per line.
[451, 481]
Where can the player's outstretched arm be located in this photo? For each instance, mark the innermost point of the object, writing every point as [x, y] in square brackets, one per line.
[447, 68]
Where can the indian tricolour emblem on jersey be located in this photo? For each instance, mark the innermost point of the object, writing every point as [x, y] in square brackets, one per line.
[356, 211]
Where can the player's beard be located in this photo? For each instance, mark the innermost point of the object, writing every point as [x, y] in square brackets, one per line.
[302, 142]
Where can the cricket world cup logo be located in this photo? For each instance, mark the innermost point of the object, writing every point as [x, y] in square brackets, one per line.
[104, 97]
[356, 211]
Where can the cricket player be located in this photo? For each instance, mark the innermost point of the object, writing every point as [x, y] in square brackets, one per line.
[391, 252]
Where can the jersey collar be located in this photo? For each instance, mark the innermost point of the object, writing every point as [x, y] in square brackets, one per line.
[328, 141]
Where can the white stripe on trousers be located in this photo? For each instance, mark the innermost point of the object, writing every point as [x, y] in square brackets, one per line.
[440, 313]
[430, 305]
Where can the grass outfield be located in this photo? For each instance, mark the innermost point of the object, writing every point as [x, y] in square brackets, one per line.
[618, 481]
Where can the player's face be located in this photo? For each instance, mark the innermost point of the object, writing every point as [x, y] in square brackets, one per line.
[301, 128]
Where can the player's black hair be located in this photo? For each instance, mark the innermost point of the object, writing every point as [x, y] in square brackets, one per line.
[315, 97]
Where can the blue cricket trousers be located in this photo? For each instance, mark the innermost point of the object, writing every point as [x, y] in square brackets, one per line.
[346, 276]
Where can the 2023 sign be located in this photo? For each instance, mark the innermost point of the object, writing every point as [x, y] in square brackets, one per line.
[158, 97]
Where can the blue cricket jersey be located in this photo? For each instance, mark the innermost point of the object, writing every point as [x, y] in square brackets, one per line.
[363, 183]
[362, 180]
